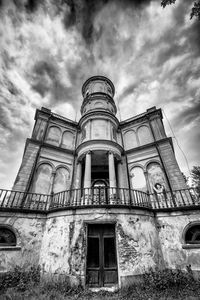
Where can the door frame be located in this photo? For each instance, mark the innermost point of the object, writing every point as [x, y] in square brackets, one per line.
[86, 223]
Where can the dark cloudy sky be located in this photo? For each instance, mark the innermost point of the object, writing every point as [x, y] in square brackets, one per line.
[50, 47]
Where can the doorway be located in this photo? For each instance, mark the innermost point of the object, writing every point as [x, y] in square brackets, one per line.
[101, 268]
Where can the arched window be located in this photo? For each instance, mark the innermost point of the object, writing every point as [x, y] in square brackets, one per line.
[62, 180]
[54, 136]
[130, 140]
[68, 140]
[138, 180]
[7, 237]
[99, 183]
[192, 235]
[42, 180]
[156, 175]
[144, 135]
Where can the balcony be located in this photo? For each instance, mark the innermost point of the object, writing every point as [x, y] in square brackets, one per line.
[98, 197]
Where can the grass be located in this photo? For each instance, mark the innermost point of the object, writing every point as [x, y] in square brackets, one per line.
[22, 284]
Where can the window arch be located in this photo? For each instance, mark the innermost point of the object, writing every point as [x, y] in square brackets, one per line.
[192, 234]
[7, 236]
[130, 140]
[138, 179]
[42, 182]
[144, 135]
[155, 175]
[68, 140]
[54, 135]
[61, 180]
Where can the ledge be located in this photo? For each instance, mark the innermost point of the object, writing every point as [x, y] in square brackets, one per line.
[10, 248]
[191, 246]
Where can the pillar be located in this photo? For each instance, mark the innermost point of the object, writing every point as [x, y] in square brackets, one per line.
[87, 175]
[78, 175]
[120, 174]
[112, 176]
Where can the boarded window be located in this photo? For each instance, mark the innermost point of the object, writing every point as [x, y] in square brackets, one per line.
[156, 175]
[138, 179]
[144, 135]
[42, 180]
[130, 140]
[61, 181]
[68, 140]
[54, 136]
[7, 237]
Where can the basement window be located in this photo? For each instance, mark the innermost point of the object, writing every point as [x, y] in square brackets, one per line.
[7, 238]
[192, 237]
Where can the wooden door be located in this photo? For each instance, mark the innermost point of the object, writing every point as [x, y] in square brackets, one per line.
[101, 255]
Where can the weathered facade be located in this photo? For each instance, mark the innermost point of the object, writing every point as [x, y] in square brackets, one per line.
[99, 200]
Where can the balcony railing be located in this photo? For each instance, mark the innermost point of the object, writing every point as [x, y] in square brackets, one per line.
[98, 197]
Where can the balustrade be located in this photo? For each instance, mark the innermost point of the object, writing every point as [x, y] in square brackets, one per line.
[98, 197]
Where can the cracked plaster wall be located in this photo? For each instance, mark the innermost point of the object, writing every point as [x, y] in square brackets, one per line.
[29, 232]
[64, 243]
[171, 227]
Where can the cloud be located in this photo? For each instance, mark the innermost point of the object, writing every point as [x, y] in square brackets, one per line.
[49, 48]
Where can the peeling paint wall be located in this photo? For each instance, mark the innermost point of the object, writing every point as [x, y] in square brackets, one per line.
[170, 227]
[29, 232]
[58, 241]
[64, 243]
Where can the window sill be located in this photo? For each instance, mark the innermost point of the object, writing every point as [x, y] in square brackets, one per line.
[10, 248]
[191, 246]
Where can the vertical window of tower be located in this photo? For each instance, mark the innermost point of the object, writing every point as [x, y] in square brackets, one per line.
[138, 180]
[68, 140]
[144, 135]
[61, 180]
[42, 179]
[156, 175]
[54, 136]
[130, 140]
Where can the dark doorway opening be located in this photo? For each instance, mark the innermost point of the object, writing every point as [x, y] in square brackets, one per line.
[101, 256]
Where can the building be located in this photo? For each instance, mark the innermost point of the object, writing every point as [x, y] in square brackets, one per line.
[99, 200]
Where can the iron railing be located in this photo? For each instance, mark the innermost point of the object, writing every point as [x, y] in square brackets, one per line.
[98, 197]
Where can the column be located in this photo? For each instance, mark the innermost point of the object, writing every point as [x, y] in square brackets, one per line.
[78, 175]
[120, 174]
[86, 199]
[87, 175]
[77, 194]
[121, 191]
[111, 163]
[53, 200]
[112, 178]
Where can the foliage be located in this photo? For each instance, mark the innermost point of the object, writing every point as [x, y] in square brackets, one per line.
[167, 279]
[59, 283]
[195, 174]
[20, 278]
[195, 12]
[156, 284]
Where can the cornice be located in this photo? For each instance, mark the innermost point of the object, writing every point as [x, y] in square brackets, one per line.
[157, 142]
[106, 143]
[50, 146]
[93, 114]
